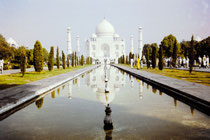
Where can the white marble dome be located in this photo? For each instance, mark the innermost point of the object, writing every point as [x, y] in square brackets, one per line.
[105, 29]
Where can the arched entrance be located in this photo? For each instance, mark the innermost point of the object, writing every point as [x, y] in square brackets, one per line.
[106, 50]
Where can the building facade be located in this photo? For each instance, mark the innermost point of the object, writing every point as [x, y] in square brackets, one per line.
[105, 44]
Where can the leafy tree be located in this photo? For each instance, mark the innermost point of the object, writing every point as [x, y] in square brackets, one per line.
[51, 59]
[23, 60]
[57, 59]
[191, 54]
[38, 57]
[149, 47]
[203, 47]
[147, 57]
[45, 55]
[175, 51]
[6, 52]
[154, 56]
[184, 50]
[160, 64]
[68, 64]
[168, 44]
[82, 60]
[64, 60]
[29, 54]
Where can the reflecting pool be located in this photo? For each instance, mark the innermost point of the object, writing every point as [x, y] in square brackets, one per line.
[105, 103]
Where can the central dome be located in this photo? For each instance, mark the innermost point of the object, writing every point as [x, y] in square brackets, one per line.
[105, 29]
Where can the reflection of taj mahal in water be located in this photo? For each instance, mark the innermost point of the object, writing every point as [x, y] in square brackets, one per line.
[115, 80]
[97, 82]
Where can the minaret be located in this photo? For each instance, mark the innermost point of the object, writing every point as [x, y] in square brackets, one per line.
[69, 51]
[78, 45]
[131, 44]
[140, 43]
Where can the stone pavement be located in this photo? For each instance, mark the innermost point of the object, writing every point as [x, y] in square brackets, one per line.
[194, 69]
[198, 94]
[12, 97]
[12, 71]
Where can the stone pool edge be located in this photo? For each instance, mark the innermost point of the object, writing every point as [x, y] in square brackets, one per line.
[202, 104]
[33, 94]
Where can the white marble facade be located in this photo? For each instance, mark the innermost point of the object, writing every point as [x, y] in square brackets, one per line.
[105, 44]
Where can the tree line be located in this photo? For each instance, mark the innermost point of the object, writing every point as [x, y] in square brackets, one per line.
[171, 48]
[22, 58]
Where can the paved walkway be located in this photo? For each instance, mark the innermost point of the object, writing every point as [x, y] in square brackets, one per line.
[198, 93]
[194, 69]
[12, 97]
[12, 71]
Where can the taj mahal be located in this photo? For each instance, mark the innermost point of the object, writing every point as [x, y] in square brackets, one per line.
[105, 44]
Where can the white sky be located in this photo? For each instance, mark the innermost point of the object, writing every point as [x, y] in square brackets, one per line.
[47, 20]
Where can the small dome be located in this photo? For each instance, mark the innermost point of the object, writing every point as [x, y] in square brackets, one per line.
[105, 29]
[116, 36]
[94, 36]
[12, 42]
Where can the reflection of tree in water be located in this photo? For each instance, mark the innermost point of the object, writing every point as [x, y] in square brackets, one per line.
[63, 86]
[154, 90]
[53, 94]
[192, 110]
[175, 102]
[58, 91]
[39, 103]
[108, 125]
[147, 86]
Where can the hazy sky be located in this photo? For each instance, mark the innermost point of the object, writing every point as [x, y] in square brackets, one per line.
[47, 20]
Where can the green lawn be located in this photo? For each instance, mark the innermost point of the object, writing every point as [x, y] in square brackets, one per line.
[11, 80]
[197, 77]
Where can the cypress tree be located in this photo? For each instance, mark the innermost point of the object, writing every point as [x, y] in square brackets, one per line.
[160, 64]
[23, 60]
[77, 60]
[87, 60]
[64, 60]
[175, 51]
[51, 59]
[75, 55]
[72, 59]
[68, 64]
[123, 59]
[147, 57]
[38, 57]
[127, 61]
[130, 56]
[82, 60]
[191, 54]
[154, 57]
[57, 59]
[91, 60]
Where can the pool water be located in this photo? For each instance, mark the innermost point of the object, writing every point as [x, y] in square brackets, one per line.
[106, 103]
